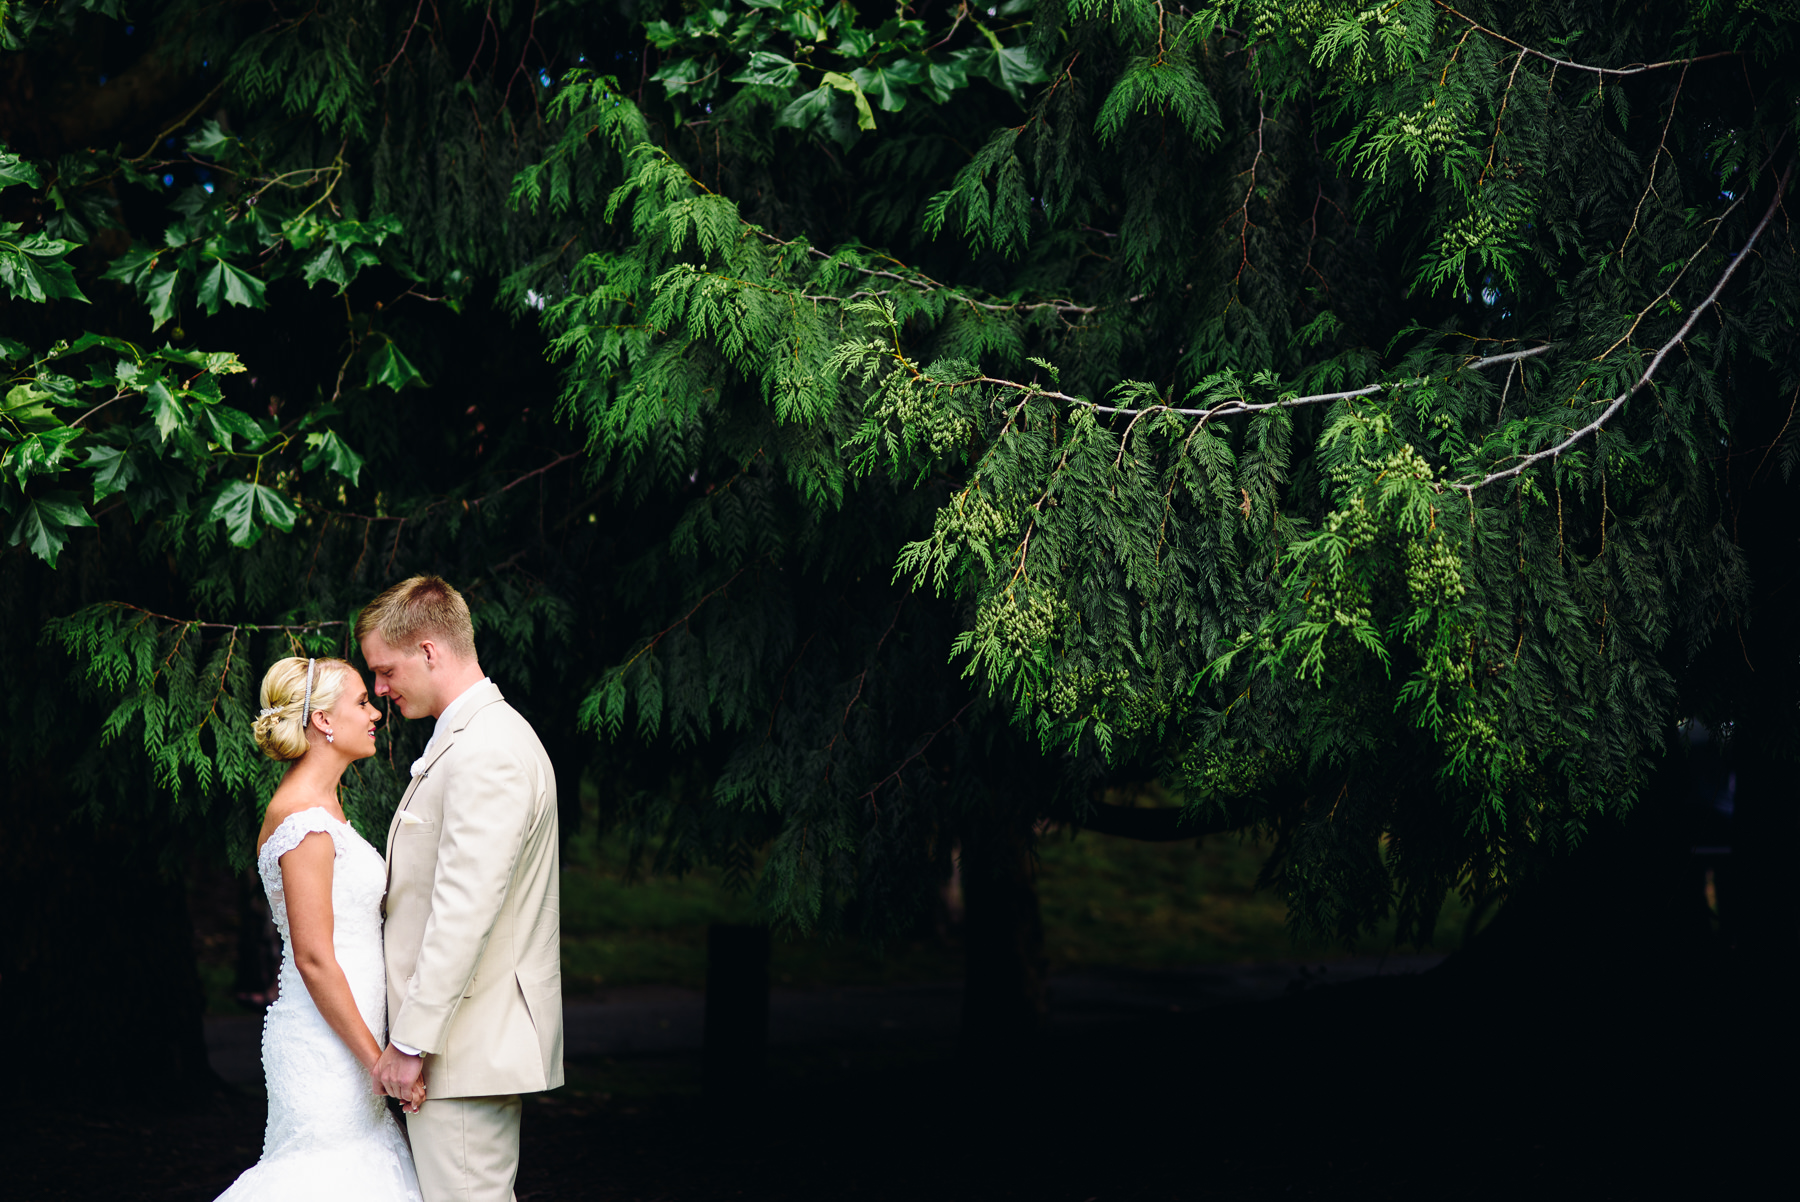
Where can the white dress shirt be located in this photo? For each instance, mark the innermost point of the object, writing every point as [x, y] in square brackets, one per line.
[443, 724]
[418, 766]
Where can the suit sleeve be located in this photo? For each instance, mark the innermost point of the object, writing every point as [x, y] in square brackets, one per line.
[486, 814]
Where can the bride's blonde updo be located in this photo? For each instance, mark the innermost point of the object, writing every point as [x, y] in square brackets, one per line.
[280, 727]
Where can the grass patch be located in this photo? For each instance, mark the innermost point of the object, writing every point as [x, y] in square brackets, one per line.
[1119, 903]
[1106, 902]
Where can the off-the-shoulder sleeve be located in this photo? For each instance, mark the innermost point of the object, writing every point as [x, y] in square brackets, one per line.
[286, 838]
[296, 827]
[292, 830]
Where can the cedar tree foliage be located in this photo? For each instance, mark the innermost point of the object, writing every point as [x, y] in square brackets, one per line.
[1362, 419]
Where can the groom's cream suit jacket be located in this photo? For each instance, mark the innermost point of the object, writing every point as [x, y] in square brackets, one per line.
[473, 971]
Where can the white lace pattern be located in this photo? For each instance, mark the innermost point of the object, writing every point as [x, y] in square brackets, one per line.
[329, 1137]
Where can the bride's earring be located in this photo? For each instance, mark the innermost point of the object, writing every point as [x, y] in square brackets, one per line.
[330, 738]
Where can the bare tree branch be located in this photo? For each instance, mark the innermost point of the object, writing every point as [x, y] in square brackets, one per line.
[1634, 69]
[1235, 407]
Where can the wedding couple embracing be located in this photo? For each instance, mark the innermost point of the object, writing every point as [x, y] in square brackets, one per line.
[465, 981]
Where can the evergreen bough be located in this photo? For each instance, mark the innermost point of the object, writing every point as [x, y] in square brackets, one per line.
[1334, 412]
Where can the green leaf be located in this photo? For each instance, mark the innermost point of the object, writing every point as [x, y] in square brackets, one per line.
[230, 284]
[224, 422]
[33, 267]
[865, 116]
[389, 365]
[319, 415]
[768, 68]
[43, 522]
[38, 455]
[887, 82]
[12, 352]
[15, 170]
[159, 295]
[24, 407]
[161, 403]
[661, 34]
[209, 141]
[856, 43]
[327, 265]
[177, 356]
[132, 267]
[679, 74]
[1010, 67]
[242, 288]
[114, 470]
[246, 508]
[222, 363]
[334, 453]
[946, 77]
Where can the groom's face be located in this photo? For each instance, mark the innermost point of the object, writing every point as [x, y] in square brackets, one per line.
[405, 678]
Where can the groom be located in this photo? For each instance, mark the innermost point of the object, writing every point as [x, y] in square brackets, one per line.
[473, 971]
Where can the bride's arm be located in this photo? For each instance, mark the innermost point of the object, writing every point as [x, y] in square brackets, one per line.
[306, 878]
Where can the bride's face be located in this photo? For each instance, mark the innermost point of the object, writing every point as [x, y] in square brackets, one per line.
[353, 719]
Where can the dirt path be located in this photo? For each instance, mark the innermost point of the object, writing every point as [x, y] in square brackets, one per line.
[1390, 1086]
[660, 1021]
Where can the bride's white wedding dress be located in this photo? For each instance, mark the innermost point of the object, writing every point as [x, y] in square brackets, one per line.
[329, 1137]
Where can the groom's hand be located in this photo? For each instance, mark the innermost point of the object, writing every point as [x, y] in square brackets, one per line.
[398, 1075]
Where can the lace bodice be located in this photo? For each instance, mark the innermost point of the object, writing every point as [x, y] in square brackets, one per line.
[358, 880]
[329, 1136]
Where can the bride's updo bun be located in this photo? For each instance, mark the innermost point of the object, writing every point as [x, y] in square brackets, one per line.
[281, 728]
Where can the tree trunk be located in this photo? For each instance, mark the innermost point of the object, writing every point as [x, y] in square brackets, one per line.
[1003, 941]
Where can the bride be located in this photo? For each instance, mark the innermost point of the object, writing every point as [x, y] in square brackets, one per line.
[329, 1136]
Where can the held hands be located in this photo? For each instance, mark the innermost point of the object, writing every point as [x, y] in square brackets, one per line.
[397, 1075]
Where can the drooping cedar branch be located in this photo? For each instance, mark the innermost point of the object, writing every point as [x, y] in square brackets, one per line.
[1618, 402]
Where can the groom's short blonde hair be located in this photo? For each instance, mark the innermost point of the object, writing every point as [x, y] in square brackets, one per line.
[418, 608]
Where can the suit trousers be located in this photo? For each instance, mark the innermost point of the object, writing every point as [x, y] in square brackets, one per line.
[466, 1149]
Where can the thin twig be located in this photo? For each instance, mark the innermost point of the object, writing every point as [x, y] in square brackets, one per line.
[781, 694]
[557, 462]
[117, 396]
[1249, 192]
[405, 41]
[1776, 441]
[1655, 161]
[681, 621]
[923, 747]
[1505, 99]
[863, 676]
[204, 625]
[184, 118]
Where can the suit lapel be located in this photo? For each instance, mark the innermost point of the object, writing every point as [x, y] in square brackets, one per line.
[394, 822]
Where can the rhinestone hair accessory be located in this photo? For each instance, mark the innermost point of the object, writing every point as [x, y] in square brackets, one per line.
[306, 703]
[264, 713]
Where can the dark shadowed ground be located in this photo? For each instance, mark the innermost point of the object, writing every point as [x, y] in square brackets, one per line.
[1445, 1084]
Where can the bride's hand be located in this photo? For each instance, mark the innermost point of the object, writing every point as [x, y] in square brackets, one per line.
[399, 1076]
[416, 1098]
